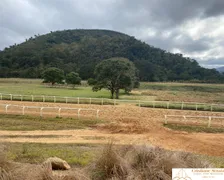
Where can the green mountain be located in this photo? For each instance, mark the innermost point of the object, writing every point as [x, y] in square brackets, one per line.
[80, 50]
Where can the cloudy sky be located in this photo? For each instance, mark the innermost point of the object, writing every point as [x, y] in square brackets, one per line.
[194, 28]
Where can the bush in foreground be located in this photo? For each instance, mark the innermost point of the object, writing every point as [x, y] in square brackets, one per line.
[123, 163]
[143, 162]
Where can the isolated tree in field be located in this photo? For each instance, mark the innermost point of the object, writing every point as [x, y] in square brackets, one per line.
[73, 78]
[115, 74]
[53, 75]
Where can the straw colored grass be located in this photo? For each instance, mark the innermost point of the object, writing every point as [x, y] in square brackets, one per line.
[114, 163]
[137, 163]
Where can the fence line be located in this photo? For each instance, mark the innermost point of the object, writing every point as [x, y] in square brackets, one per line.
[209, 118]
[102, 101]
[41, 108]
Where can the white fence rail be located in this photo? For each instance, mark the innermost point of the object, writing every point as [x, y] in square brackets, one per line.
[22, 110]
[199, 120]
[103, 101]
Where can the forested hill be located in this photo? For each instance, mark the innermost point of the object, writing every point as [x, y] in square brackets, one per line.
[81, 50]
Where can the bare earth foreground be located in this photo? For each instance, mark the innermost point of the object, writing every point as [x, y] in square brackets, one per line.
[128, 124]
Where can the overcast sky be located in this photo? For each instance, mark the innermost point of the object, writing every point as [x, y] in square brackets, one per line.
[194, 28]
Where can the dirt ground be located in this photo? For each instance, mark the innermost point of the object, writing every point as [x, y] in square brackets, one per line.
[128, 125]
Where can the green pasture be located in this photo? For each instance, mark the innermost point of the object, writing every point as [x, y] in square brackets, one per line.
[18, 86]
[35, 87]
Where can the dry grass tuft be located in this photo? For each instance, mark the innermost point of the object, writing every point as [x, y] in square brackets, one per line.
[4, 166]
[71, 174]
[120, 163]
[4, 175]
[110, 165]
[134, 162]
[25, 171]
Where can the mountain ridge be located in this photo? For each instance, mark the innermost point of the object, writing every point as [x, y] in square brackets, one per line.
[220, 69]
[81, 49]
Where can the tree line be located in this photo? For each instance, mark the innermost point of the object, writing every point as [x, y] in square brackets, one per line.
[54, 75]
[112, 74]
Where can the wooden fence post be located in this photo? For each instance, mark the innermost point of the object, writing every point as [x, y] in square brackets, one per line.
[168, 105]
[165, 121]
[59, 112]
[79, 113]
[24, 110]
[209, 121]
[6, 108]
[182, 105]
[97, 114]
[185, 119]
[41, 111]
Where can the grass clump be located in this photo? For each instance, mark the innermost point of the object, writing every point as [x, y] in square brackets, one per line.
[110, 165]
[133, 162]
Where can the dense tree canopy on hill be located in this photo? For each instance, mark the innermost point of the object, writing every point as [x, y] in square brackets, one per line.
[82, 50]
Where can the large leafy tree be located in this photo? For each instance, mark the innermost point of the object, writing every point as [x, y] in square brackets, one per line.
[73, 78]
[53, 75]
[115, 74]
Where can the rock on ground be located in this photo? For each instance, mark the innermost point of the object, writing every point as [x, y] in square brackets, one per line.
[57, 163]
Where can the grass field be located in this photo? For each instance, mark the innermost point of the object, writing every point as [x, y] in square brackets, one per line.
[210, 93]
[204, 93]
[35, 87]
[29, 123]
[74, 154]
[77, 155]
[173, 92]
[188, 128]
